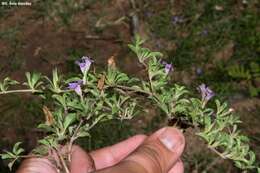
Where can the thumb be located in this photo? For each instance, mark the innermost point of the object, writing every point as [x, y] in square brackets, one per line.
[158, 153]
[81, 161]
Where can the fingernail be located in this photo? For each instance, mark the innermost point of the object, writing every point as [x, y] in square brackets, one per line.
[171, 138]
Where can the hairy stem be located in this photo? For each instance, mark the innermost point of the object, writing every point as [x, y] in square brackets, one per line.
[20, 91]
[73, 138]
[66, 169]
[217, 152]
[133, 89]
[29, 91]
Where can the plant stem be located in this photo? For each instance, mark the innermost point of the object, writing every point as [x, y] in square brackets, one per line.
[62, 161]
[73, 138]
[133, 89]
[20, 91]
[212, 164]
[30, 156]
[28, 91]
[151, 85]
[149, 76]
[217, 152]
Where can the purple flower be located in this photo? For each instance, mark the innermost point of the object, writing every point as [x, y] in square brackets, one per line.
[148, 14]
[199, 71]
[158, 44]
[162, 62]
[205, 32]
[167, 67]
[84, 64]
[76, 86]
[177, 19]
[206, 92]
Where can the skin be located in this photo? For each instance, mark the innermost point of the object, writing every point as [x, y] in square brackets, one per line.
[140, 153]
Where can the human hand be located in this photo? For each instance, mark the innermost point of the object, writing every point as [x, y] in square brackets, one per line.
[158, 153]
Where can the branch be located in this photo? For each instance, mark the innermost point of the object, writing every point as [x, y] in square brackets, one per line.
[28, 91]
[73, 138]
[133, 89]
[217, 152]
[62, 161]
[20, 91]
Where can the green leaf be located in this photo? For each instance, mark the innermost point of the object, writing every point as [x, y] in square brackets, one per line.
[7, 156]
[33, 80]
[16, 149]
[41, 150]
[10, 81]
[72, 79]
[69, 119]
[142, 53]
[255, 68]
[6, 83]
[48, 141]
[10, 164]
[253, 90]
[28, 77]
[238, 71]
[46, 127]
[83, 134]
[2, 88]
[61, 99]
[55, 82]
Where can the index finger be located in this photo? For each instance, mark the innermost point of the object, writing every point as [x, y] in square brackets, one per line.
[111, 155]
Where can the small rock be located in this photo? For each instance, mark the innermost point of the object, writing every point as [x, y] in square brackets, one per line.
[219, 8]
[225, 53]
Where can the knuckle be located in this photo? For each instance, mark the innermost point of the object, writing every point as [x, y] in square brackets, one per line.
[153, 156]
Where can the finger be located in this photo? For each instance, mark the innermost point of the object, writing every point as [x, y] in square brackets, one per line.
[39, 165]
[177, 168]
[81, 161]
[111, 155]
[158, 154]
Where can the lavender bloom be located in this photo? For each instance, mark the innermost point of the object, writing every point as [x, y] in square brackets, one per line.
[199, 71]
[177, 19]
[206, 92]
[162, 62]
[148, 14]
[158, 44]
[84, 64]
[76, 86]
[205, 32]
[168, 68]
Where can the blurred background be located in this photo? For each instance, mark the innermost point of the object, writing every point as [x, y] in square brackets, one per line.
[216, 42]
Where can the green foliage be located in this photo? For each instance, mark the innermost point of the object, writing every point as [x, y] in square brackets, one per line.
[248, 74]
[237, 71]
[142, 53]
[61, 11]
[13, 155]
[161, 24]
[54, 83]
[92, 98]
[33, 80]
[6, 83]
[222, 134]
[115, 77]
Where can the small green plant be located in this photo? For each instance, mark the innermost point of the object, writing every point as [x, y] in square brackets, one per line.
[249, 75]
[61, 12]
[81, 102]
[14, 154]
